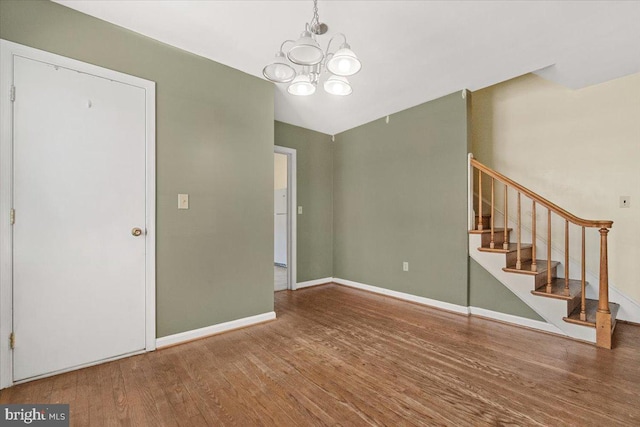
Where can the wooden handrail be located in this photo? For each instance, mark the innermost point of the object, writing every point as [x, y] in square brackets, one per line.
[541, 200]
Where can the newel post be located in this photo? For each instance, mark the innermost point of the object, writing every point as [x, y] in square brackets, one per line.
[603, 315]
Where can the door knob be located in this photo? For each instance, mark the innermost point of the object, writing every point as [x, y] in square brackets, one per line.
[136, 231]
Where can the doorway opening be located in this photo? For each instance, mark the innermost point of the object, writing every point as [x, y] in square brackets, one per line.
[284, 219]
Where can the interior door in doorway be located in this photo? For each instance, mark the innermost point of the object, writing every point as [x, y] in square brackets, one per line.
[79, 234]
[280, 222]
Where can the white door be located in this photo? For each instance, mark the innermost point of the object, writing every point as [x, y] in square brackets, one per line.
[280, 226]
[79, 190]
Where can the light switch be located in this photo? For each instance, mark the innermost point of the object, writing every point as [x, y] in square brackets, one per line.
[405, 266]
[183, 201]
[299, 210]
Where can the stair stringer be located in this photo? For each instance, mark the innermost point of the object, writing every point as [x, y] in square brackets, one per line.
[550, 309]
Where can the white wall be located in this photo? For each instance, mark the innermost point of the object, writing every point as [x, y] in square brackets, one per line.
[578, 148]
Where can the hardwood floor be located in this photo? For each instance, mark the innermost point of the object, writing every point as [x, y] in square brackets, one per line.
[336, 355]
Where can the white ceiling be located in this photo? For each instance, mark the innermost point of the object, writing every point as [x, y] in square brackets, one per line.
[411, 51]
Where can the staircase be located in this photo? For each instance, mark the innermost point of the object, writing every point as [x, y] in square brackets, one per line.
[514, 260]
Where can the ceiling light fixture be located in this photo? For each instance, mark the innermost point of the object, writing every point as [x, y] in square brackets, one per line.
[307, 53]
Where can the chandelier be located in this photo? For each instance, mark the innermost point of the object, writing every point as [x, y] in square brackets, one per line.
[314, 63]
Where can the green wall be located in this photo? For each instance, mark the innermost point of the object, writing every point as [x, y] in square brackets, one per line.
[314, 152]
[214, 141]
[485, 291]
[400, 194]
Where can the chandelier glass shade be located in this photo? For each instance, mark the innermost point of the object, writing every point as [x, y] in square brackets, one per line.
[338, 85]
[279, 70]
[306, 51]
[315, 63]
[344, 62]
[302, 85]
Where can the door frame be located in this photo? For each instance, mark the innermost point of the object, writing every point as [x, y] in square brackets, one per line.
[7, 52]
[292, 217]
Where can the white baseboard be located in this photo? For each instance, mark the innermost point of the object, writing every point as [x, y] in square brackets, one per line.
[314, 282]
[515, 320]
[404, 296]
[474, 311]
[214, 329]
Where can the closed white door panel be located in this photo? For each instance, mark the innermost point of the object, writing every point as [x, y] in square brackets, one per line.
[79, 189]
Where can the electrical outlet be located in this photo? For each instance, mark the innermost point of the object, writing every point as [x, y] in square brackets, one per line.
[625, 201]
[405, 266]
[299, 210]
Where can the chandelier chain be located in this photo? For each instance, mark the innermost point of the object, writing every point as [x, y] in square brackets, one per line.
[315, 21]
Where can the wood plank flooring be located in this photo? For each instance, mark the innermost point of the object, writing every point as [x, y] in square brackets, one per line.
[339, 356]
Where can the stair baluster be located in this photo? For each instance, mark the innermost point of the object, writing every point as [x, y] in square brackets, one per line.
[534, 265]
[518, 249]
[583, 299]
[548, 251]
[505, 242]
[480, 199]
[492, 244]
[566, 257]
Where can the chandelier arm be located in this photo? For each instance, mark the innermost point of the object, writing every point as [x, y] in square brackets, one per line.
[326, 53]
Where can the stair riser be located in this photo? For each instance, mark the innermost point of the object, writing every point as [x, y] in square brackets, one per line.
[512, 257]
[571, 305]
[498, 238]
[541, 278]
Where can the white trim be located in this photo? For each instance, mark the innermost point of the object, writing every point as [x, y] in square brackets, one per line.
[7, 51]
[292, 210]
[150, 212]
[6, 202]
[515, 320]
[471, 215]
[214, 329]
[404, 296]
[474, 311]
[315, 282]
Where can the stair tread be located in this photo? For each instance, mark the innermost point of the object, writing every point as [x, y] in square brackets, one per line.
[499, 249]
[557, 289]
[526, 267]
[488, 231]
[591, 308]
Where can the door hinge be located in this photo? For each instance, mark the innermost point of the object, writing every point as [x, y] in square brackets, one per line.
[12, 216]
[13, 93]
[12, 340]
